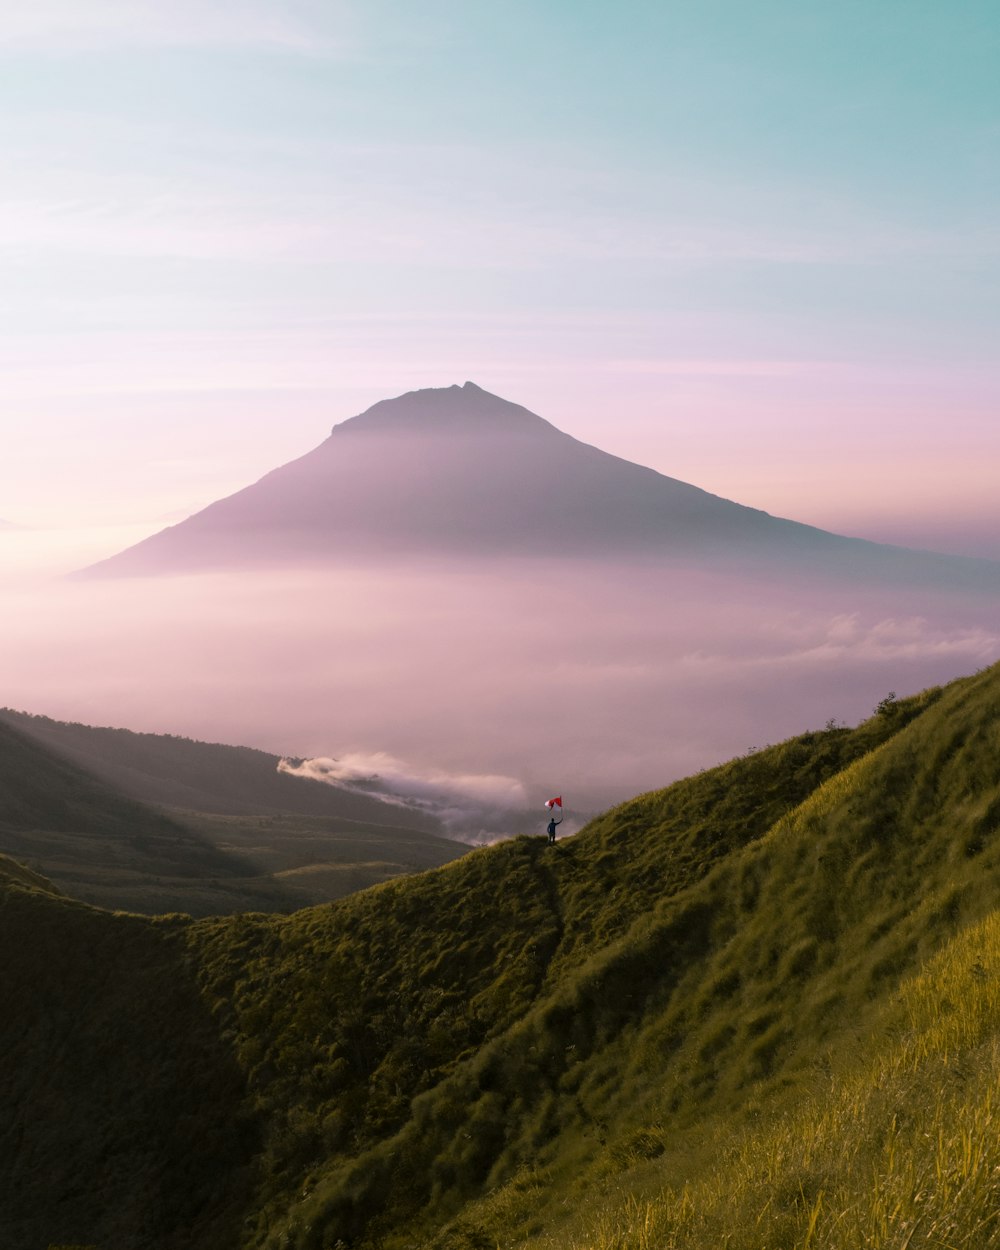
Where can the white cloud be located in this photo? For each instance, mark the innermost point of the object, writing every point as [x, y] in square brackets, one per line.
[468, 804]
[711, 367]
[847, 637]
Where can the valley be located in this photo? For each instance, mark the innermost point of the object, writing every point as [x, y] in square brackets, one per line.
[101, 812]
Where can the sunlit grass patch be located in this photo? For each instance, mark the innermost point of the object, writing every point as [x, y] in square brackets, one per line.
[900, 1152]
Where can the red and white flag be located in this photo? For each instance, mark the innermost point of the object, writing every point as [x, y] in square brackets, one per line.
[550, 803]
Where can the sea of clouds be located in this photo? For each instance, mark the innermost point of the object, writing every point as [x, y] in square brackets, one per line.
[478, 691]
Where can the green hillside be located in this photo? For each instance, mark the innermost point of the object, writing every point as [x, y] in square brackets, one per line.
[756, 1009]
[106, 848]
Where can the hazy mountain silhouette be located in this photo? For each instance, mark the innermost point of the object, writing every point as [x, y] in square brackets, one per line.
[458, 471]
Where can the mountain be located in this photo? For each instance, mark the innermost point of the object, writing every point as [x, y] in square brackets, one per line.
[756, 1008]
[457, 471]
[151, 823]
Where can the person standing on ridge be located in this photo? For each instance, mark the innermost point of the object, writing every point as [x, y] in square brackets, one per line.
[552, 804]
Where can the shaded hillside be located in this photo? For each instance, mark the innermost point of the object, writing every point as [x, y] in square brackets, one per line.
[171, 771]
[105, 848]
[13, 871]
[459, 472]
[122, 1111]
[483, 1053]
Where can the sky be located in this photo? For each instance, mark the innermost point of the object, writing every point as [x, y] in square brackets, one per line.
[756, 247]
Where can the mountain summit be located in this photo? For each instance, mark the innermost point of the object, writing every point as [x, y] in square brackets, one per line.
[456, 410]
[457, 471]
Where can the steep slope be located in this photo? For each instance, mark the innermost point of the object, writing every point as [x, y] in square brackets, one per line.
[461, 1057]
[122, 1112]
[101, 846]
[891, 1141]
[459, 472]
[11, 871]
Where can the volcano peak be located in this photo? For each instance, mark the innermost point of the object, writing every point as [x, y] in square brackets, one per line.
[466, 409]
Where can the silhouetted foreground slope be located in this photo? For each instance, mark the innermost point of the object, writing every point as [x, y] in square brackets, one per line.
[304, 844]
[488, 1051]
[124, 1118]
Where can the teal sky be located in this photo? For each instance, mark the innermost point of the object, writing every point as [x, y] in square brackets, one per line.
[756, 246]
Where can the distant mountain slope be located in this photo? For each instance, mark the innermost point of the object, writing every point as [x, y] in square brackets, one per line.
[491, 1051]
[204, 776]
[457, 471]
[104, 847]
[65, 822]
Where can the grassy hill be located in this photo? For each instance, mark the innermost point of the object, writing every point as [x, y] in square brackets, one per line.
[107, 848]
[756, 1009]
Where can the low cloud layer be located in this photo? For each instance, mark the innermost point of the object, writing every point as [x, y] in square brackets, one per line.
[850, 638]
[469, 805]
[480, 690]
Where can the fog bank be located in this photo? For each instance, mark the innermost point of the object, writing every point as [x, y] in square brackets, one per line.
[497, 683]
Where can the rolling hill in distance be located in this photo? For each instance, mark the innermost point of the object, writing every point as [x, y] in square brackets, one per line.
[459, 472]
[178, 772]
[152, 823]
[712, 1017]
